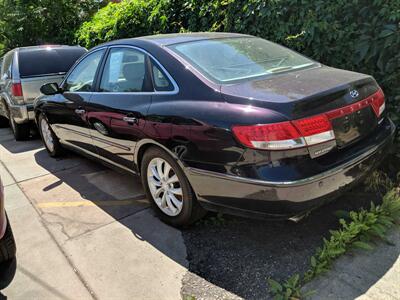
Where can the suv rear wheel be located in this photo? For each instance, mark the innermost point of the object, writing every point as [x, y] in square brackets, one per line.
[3, 122]
[21, 131]
[168, 189]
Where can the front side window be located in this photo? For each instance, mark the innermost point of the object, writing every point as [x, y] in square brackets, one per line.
[81, 79]
[228, 60]
[124, 71]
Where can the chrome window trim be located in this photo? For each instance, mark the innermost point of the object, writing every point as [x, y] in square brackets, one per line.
[171, 79]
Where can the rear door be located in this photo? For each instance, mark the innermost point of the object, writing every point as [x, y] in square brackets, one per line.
[67, 111]
[116, 112]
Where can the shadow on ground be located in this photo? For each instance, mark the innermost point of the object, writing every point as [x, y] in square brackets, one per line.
[236, 255]
[8, 142]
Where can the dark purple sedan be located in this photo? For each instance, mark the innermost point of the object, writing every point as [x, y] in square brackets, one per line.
[219, 121]
[7, 246]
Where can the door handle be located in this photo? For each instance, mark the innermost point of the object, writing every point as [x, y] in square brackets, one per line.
[130, 120]
[80, 111]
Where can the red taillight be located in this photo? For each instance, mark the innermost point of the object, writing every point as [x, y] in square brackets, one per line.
[317, 129]
[273, 136]
[303, 132]
[16, 89]
[313, 125]
[286, 135]
[378, 102]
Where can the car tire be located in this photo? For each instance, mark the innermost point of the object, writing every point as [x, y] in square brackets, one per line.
[4, 122]
[7, 258]
[189, 209]
[21, 131]
[49, 138]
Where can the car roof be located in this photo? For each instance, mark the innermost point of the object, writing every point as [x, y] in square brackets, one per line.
[175, 38]
[43, 47]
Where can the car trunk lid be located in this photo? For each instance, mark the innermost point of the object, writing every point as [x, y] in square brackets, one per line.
[345, 97]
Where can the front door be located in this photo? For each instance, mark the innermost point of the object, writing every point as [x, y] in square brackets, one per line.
[116, 112]
[67, 112]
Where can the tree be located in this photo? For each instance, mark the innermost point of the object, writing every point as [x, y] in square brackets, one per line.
[32, 22]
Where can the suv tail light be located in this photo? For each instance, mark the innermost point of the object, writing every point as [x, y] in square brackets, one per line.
[303, 132]
[16, 89]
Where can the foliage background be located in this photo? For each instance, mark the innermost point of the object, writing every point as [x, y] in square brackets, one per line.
[32, 22]
[360, 35]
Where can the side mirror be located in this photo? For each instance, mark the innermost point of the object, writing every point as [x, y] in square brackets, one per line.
[50, 89]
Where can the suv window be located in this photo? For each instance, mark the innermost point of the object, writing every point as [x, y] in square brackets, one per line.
[7, 63]
[81, 79]
[124, 71]
[47, 60]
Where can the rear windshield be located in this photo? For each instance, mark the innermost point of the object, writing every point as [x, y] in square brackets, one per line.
[48, 61]
[228, 60]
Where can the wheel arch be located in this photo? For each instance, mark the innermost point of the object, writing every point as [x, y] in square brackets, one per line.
[5, 110]
[39, 110]
[145, 144]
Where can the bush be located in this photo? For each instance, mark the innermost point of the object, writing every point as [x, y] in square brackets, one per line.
[360, 35]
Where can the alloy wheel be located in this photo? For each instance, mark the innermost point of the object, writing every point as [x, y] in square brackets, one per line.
[165, 187]
[47, 134]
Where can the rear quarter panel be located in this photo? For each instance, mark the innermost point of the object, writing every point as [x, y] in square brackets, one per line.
[198, 131]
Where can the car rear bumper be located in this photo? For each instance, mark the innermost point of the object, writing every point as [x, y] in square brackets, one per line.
[22, 113]
[244, 196]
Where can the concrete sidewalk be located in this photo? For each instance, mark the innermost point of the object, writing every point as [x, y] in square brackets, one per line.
[362, 274]
[84, 231]
[38, 278]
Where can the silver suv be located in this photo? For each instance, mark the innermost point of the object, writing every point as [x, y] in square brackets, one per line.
[23, 72]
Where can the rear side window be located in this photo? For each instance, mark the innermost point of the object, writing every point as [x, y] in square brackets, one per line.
[47, 61]
[161, 81]
[6, 64]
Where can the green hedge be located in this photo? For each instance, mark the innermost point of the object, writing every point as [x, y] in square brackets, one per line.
[360, 35]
